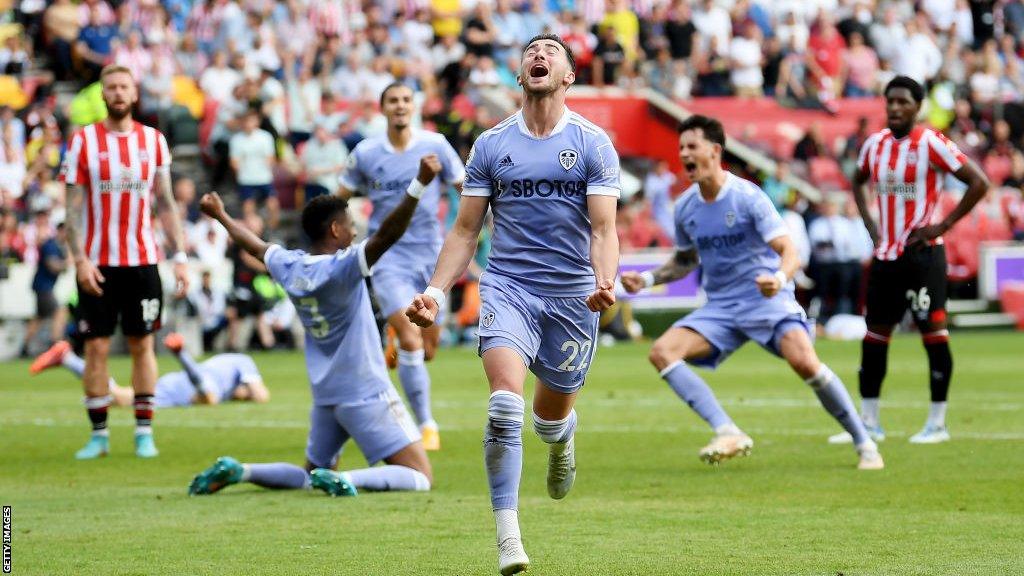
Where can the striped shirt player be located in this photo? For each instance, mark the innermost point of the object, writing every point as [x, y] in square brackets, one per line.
[905, 165]
[110, 171]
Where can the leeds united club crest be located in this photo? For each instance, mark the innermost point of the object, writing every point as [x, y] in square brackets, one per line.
[567, 158]
[730, 218]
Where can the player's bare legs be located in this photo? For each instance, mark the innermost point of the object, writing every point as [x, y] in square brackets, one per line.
[144, 374]
[669, 356]
[503, 451]
[796, 347]
[413, 375]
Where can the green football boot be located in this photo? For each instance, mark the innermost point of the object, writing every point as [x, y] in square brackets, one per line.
[331, 482]
[224, 472]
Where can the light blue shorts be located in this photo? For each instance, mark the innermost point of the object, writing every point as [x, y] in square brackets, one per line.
[394, 288]
[555, 337]
[728, 325]
[379, 424]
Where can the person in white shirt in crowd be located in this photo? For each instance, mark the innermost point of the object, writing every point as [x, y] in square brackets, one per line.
[304, 96]
[836, 249]
[323, 160]
[658, 190]
[746, 56]
[918, 56]
[209, 302]
[713, 21]
[218, 81]
[253, 157]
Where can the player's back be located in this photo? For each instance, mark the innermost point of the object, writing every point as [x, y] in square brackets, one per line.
[538, 191]
[731, 236]
[227, 371]
[383, 174]
[343, 353]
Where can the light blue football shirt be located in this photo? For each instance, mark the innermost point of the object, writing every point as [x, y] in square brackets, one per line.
[344, 358]
[221, 375]
[382, 174]
[731, 236]
[538, 190]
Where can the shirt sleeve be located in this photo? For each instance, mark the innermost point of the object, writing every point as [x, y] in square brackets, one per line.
[74, 170]
[352, 178]
[163, 153]
[766, 218]
[683, 239]
[452, 170]
[602, 164]
[944, 154]
[349, 265]
[862, 157]
[278, 262]
[478, 171]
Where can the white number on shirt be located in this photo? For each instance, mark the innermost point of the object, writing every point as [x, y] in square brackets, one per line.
[319, 327]
[575, 349]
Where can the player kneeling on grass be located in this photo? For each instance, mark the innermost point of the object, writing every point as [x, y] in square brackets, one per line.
[728, 226]
[221, 378]
[352, 394]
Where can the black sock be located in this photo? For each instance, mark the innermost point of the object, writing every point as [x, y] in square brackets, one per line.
[874, 358]
[940, 365]
[97, 410]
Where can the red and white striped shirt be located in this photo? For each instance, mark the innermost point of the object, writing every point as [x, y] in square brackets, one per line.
[117, 171]
[907, 175]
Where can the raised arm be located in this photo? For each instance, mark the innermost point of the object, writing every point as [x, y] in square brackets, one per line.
[213, 206]
[682, 263]
[604, 250]
[165, 197]
[395, 224]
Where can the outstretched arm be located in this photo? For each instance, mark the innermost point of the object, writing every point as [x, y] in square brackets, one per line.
[213, 206]
[682, 263]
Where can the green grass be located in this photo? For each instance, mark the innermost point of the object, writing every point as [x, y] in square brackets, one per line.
[643, 504]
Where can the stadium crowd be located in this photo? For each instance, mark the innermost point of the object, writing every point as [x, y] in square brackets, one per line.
[273, 95]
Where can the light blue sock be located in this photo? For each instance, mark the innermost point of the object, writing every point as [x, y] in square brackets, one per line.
[415, 379]
[76, 364]
[191, 368]
[503, 448]
[387, 478]
[836, 400]
[279, 475]
[555, 431]
[695, 392]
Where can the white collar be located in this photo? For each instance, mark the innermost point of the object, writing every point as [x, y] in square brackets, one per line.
[562, 123]
[412, 142]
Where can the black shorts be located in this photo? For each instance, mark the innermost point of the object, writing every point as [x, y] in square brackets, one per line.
[46, 305]
[132, 294]
[916, 281]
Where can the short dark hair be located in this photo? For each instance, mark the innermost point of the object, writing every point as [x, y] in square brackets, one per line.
[711, 128]
[554, 38]
[389, 87]
[915, 88]
[319, 213]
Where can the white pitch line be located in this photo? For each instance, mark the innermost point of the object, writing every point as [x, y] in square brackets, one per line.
[809, 402]
[585, 428]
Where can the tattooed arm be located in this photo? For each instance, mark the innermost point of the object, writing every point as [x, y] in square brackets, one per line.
[165, 196]
[88, 275]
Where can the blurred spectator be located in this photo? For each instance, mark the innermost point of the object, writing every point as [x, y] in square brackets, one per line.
[245, 301]
[323, 160]
[210, 304]
[96, 39]
[609, 58]
[61, 28]
[657, 189]
[219, 80]
[52, 262]
[861, 65]
[746, 57]
[918, 56]
[835, 255]
[811, 145]
[252, 158]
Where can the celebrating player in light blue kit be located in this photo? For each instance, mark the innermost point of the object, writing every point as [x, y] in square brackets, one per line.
[729, 227]
[220, 378]
[352, 394]
[551, 179]
[381, 167]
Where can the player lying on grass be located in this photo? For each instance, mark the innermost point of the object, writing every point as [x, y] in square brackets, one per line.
[728, 226]
[221, 378]
[352, 394]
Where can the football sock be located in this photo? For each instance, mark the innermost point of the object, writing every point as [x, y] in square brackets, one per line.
[833, 396]
[279, 475]
[143, 413]
[503, 448]
[937, 415]
[191, 369]
[869, 411]
[76, 364]
[506, 520]
[940, 363]
[873, 360]
[557, 433]
[97, 410]
[391, 477]
[415, 379]
[695, 392]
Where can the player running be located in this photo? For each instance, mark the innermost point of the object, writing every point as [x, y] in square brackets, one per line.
[551, 179]
[220, 378]
[381, 168]
[729, 227]
[352, 394]
[906, 165]
[112, 167]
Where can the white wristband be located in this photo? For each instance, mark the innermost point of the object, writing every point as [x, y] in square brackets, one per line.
[782, 277]
[437, 294]
[180, 258]
[648, 277]
[415, 189]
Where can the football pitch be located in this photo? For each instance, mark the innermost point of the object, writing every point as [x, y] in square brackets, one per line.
[643, 503]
